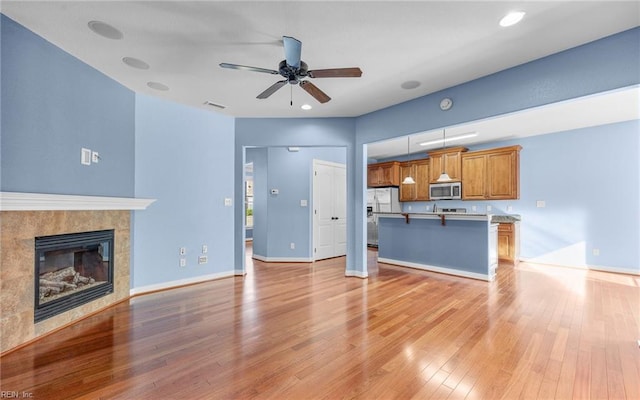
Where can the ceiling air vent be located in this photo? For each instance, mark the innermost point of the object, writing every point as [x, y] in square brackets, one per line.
[212, 104]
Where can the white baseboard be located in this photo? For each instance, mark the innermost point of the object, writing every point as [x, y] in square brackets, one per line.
[180, 282]
[281, 259]
[433, 268]
[357, 274]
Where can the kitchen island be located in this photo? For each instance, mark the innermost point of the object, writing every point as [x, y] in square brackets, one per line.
[451, 243]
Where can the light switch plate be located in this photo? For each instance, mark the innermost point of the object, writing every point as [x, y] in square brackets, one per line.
[228, 202]
[541, 204]
[303, 203]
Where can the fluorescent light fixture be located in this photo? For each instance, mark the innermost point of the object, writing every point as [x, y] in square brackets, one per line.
[306, 107]
[512, 18]
[450, 139]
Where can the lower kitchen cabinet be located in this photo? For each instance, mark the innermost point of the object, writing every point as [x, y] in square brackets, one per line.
[509, 242]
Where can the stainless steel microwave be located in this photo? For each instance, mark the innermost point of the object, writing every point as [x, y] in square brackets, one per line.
[445, 191]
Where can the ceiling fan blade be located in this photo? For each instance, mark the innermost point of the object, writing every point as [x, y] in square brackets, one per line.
[292, 51]
[314, 91]
[247, 68]
[271, 89]
[336, 73]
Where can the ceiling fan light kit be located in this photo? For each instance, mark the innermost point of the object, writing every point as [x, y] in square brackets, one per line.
[295, 71]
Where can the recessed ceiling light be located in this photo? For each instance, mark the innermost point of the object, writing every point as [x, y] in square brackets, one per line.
[105, 30]
[158, 86]
[410, 84]
[306, 107]
[135, 63]
[512, 18]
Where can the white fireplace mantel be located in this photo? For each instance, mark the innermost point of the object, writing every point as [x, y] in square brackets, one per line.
[16, 201]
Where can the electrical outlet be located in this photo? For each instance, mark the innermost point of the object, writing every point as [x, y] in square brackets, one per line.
[95, 156]
[292, 245]
[489, 208]
[203, 260]
[509, 208]
[183, 251]
[183, 262]
[205, 249]
[409, 208]
[474, 208]
[596, 252]
[541, 204]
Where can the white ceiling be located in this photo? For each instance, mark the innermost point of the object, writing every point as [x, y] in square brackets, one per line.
[436, 43]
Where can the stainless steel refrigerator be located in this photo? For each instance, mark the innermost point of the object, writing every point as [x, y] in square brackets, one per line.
[380, 200]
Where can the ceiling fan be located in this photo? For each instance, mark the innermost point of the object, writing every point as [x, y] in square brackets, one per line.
[295, 71]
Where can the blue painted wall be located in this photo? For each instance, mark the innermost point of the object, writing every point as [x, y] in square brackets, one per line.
[307, 132]
[283, 220]
[182, 160]
[53, 105]
[587, 179]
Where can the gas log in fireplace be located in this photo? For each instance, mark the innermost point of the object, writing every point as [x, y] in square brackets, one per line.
[71, 270]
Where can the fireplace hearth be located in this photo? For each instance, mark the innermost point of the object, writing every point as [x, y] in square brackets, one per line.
[71, 270]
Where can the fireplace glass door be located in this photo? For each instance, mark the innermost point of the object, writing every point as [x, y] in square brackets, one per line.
[71, 270]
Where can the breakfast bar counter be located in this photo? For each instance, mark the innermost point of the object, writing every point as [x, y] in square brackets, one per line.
[451, 243]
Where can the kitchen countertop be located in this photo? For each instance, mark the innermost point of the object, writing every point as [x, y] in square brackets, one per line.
[505, 219]
[438, 215]
[494, 218]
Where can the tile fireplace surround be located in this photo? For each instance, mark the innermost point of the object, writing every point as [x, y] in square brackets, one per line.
[23, 216]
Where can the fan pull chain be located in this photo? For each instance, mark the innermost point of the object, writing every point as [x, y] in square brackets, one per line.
[291, 95]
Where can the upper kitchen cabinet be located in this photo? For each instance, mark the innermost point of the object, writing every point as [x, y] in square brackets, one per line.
[383, 174]
[419, 171]
[492, 174]
[446, 160]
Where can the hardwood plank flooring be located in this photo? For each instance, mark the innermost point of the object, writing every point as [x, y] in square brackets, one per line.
[304, 331]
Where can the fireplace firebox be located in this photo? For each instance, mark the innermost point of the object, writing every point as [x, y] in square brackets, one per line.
[71, 270]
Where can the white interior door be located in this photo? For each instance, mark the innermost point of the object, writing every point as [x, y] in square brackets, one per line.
[330, 210]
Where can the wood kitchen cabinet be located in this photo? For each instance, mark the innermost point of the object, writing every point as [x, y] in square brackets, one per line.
[419, 171]
[509, 242]
[448, 160]
[491, 174]
[383, 174]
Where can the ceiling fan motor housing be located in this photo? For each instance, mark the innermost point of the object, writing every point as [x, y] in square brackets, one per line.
[292, 74]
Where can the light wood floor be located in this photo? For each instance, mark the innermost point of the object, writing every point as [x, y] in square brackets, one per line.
[300, 331]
